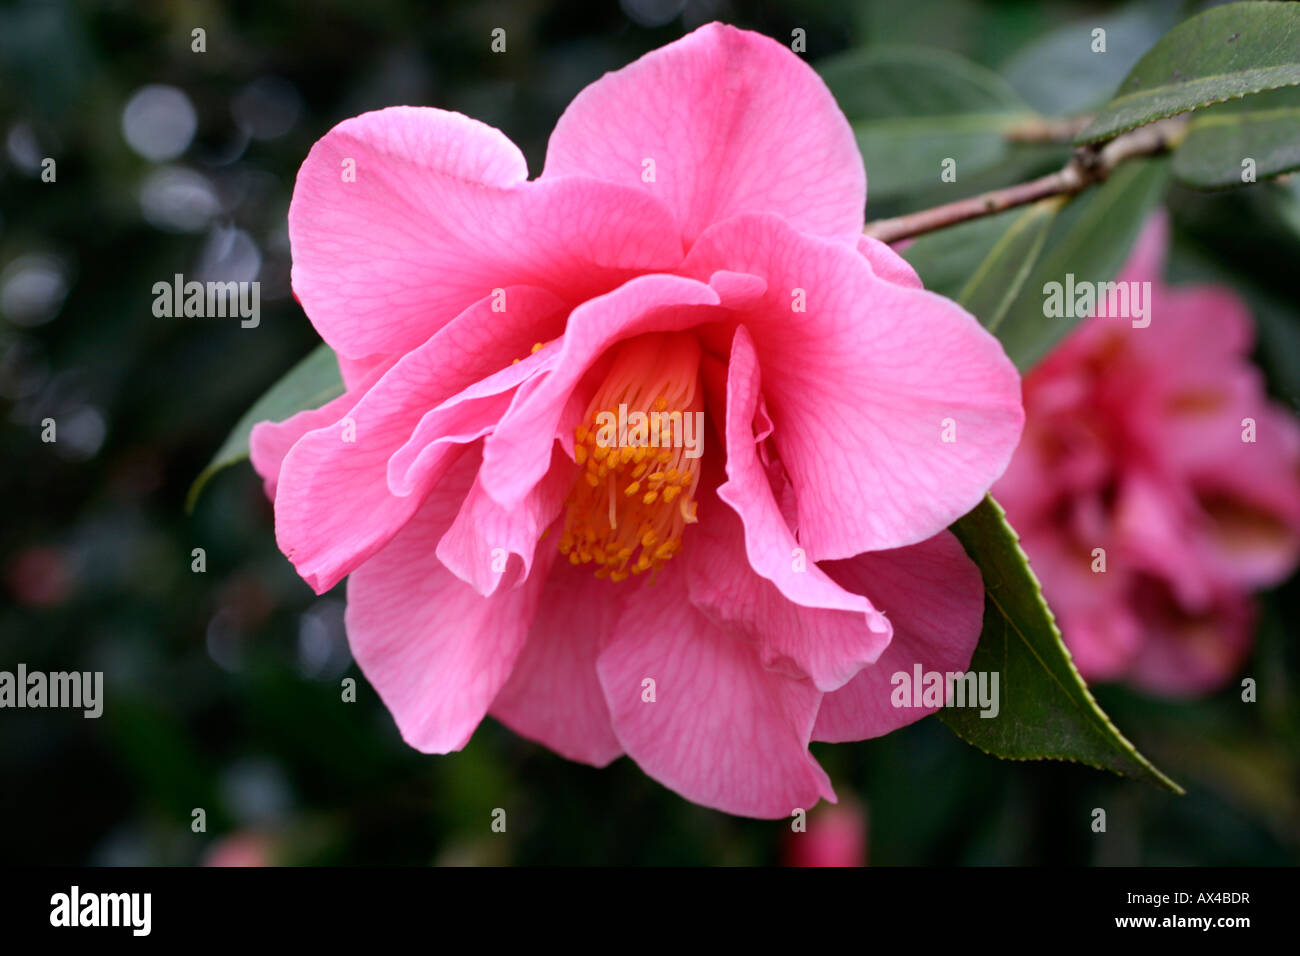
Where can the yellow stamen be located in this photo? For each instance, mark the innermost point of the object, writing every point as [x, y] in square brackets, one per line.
[656, 378]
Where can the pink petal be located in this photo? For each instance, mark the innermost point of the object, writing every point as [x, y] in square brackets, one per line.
[737, 290]
[269, 442]
[1102, 638]
[488, 400]
[1157, 522]
[751, 573]
[435, 650]
[733, 121]
[934, 597]
[722, 731]
[1251, 505]
[887, 263]
[553, 696]
[334, 506]
[477, 546]
[518, 453]
[1186, 655]
[861, 385]
[439, 215]
[355, 372]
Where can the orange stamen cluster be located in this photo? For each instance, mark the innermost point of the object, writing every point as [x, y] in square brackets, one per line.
[635, 492]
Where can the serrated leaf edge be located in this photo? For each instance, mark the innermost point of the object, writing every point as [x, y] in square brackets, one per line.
[1097, 712]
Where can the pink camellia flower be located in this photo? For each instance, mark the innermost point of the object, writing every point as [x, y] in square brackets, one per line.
[693, 248]
[1151, 451]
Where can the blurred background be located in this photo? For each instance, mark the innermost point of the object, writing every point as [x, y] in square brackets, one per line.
[223, 688]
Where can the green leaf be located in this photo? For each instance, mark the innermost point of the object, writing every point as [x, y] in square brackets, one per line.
[309, 384]
[1090, 239]
[1286, 203]
[947, 258]
[1058, 73]
[1264, 128]
[911, 108]
[994, 285]
[1224, 53]
[983, 263]
[1045, 709]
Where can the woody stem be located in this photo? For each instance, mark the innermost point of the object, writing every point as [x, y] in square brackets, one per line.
[1089, 165]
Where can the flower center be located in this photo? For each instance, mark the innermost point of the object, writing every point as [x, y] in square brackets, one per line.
[639, 449]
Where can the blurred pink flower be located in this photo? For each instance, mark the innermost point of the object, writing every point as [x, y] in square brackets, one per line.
[40, 576]
[693, 245]
[836, 836]
[1158, 446]
[243, 848]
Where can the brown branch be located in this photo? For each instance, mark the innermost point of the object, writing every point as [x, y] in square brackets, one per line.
[1089, 165]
